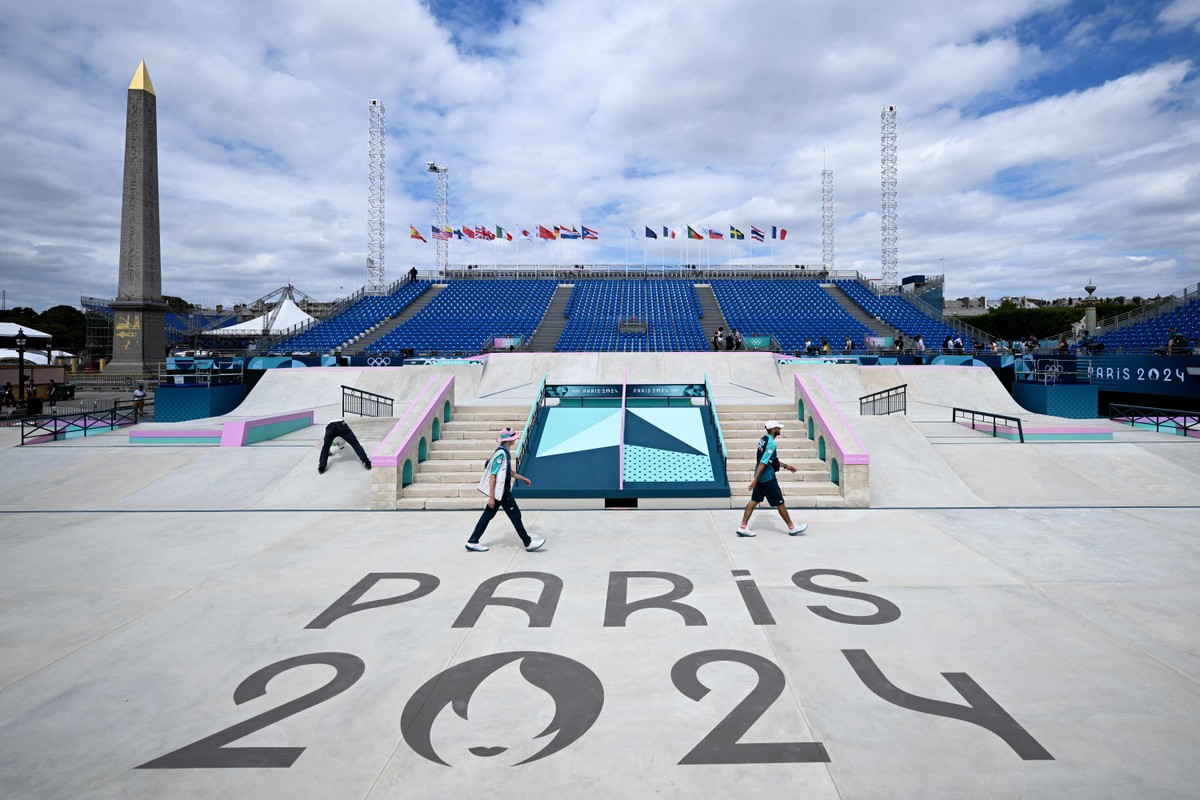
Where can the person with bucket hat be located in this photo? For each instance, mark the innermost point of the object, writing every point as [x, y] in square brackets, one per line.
[765, 486]
[497, 485]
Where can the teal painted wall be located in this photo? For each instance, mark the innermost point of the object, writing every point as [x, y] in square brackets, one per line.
[181, 403]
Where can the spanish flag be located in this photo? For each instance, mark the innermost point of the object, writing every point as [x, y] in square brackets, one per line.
[414, 234]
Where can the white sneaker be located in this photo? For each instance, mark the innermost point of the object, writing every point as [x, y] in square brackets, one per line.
[796, 530]
[478, 548]
[536, 544]
[742, 530]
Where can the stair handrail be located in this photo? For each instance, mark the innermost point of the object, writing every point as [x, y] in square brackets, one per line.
[1144, 312]
[712, 412]
[883, 401]
[519, 450]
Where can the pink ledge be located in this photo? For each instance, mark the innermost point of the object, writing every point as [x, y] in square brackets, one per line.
[170, 434]
[235, 431]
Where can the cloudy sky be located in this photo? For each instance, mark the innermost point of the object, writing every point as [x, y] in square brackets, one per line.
[1042, 143]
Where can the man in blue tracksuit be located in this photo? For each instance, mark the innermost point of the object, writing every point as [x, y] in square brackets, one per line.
[497, 484]
[764, 484]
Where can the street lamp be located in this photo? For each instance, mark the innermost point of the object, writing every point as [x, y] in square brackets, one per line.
[20, 342]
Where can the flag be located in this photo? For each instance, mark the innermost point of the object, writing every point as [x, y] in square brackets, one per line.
[713, 233]
[691, 234]
[782, 234]
[546, 233]
[437, 234]
[650, 234]
[503, 234]
[567, 233]
[588, 233]
[778, 233]
[734, 233]
[756, 234]
[526, 234]
[414, 234]
[458, 232]
[468, 231]
[632, 232]
[667, 232]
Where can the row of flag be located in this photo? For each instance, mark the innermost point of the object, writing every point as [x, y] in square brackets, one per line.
[704, 232]
[583, 232]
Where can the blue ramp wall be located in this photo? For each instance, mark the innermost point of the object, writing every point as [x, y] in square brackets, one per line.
[669, 452]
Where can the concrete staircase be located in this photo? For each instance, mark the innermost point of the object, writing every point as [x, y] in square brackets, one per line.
[808, 487]
[372, 335]
[553, 323]
[449, 478]
[713, 317]
[878, 326]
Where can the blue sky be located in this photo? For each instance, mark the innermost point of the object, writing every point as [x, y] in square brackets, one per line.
[1042, 143]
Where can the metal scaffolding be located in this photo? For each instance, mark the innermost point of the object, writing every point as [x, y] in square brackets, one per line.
[887, 170]
[443, 214]
[827, 220]
[376, 179]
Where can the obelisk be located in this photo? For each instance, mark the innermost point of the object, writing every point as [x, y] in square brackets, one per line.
[139, 340]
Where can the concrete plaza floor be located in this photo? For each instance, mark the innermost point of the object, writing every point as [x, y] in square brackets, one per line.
[195, 644]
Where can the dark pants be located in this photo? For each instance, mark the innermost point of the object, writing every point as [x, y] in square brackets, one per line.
[514, 515]
[332, 431]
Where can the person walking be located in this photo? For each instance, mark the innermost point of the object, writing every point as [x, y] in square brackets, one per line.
[139, 399]
[497, 485]
[765, 486]
[339, 428]
[9, 398]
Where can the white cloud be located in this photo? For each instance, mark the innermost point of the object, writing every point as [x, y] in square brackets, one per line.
[1180, 14]
[652, 113]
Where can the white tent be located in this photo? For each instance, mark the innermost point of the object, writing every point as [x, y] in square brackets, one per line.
[11, 328]
[31, 356]
[290, 315]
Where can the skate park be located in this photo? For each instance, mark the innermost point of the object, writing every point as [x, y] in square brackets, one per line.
[991, 618]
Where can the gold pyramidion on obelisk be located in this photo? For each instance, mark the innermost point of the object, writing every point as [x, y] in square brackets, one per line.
[141, 79]
[139, 341]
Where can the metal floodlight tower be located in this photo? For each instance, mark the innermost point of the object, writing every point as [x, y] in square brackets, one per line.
[887, 169]
[443, 213]
[827, 220]
[376, 179]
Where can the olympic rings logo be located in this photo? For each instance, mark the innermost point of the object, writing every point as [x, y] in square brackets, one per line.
[379, 361]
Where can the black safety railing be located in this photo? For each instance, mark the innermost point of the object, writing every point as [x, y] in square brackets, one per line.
[987, 417]
[1183, 423]
[364, 403]
[887, 401]
[82, 423]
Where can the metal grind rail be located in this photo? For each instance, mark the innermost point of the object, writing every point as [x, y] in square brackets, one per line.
[1183, 423]
[60, 426]
[986, 417]
[886, 401]
[364, 403]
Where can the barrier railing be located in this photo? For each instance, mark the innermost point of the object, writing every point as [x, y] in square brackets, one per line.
[364, 403]
[887, 401]
[519, 450]
[1182, 423]
[716, 421]
[52, 427]
[973, 416]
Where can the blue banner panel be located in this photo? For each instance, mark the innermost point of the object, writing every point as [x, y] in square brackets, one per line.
[1174, 376]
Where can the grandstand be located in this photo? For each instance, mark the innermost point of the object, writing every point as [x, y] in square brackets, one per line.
[669, 308]
[465, 315]
[1151, 334]
[791, 311]
[462, 315]
[901, 314]
[361, 316]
